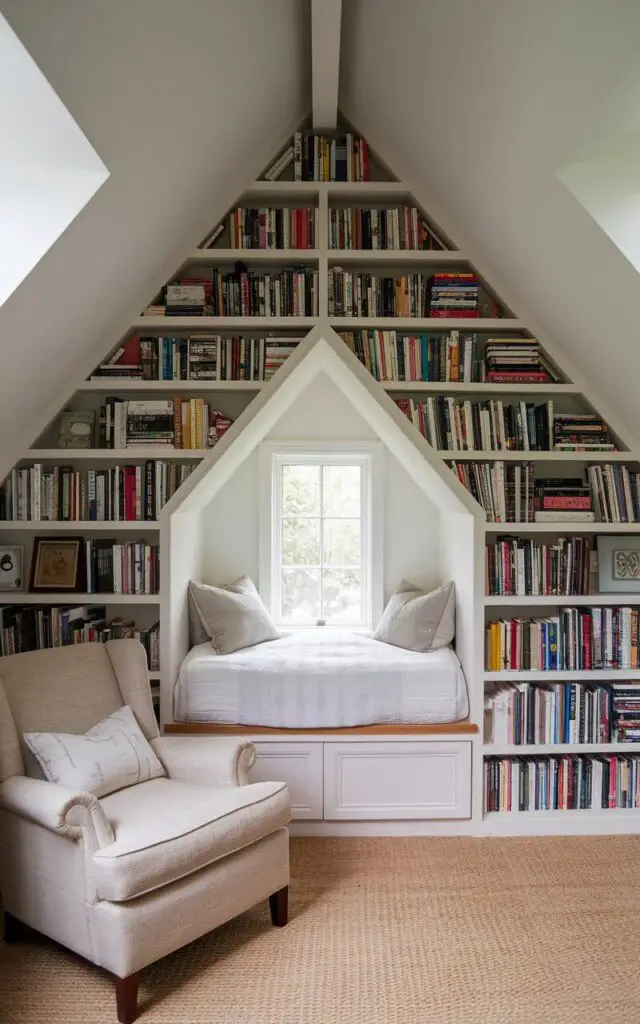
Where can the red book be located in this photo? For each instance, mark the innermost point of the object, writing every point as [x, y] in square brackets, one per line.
[565, 503]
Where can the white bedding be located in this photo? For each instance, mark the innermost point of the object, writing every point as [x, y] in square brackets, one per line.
[320, 678]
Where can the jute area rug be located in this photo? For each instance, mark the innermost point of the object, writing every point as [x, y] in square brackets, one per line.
[389, 931]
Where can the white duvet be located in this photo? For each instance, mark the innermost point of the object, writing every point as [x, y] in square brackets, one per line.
[320, 678]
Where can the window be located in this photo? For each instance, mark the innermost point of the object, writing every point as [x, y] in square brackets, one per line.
[317, 542]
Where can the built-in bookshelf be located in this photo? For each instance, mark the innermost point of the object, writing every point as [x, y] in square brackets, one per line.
[328, 235]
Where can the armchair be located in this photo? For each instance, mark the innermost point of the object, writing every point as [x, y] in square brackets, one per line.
[127, 878]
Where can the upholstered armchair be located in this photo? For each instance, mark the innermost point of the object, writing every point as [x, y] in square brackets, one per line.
[127, 878]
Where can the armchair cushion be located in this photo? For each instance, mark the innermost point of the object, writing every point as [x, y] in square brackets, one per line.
[166, 829]
[111, 755]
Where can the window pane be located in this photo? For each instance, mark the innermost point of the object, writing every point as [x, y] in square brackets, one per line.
[301, 490]
[341, 542]
[300, 594]
[301, 542]
[341, 491]
[341, 595]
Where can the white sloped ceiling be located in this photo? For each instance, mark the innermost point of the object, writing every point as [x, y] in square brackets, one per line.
[183, 102]
[483, 102]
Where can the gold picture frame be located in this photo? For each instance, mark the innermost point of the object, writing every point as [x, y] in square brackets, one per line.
[57, 564]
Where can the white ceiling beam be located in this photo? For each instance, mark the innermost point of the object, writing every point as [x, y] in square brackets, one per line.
[326, 16]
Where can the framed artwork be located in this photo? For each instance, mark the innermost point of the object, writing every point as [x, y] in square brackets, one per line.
[56, 564]
[619, 564]
[12, 567]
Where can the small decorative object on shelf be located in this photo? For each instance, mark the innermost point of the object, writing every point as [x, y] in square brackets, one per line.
[57, 564]
[77, 429]
[619, 565]
[12, 567]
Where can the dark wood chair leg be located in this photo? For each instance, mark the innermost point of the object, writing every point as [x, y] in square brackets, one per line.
[279, 906]
[127, 998]
[13, 928]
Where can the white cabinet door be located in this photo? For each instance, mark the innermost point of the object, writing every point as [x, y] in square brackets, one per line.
[297, 764]
[402, 780]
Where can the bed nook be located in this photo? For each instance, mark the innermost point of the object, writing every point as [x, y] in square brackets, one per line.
[320, 596]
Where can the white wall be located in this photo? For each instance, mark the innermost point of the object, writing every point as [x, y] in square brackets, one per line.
[411, 523]
[184, 103]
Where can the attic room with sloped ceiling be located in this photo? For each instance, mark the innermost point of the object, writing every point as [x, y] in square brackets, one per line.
[319, 510]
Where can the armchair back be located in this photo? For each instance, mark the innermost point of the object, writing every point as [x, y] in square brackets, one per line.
[69, 689]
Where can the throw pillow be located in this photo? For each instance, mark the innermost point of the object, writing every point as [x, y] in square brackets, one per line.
[418, 621]
[233, 617]
[112, 755]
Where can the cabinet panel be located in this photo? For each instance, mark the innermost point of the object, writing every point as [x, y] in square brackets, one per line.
[297, 764]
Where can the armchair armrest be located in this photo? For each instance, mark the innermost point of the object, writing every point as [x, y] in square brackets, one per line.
[57, 808]
[206, 760]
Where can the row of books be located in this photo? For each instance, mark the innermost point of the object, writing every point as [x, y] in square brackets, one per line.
[626, 712]
[390, 356]
[454, 293]
[511, 494]
[318, 158]
[569, 783]
[581, 432]
[359, 293]
[451, 424]
[35, 628]
[186, 423]
[524, 567]
[129, 568]
[526, 713]
[285, 292]
[117, 494]
[273, 227]
[379, 229]
[574, 639]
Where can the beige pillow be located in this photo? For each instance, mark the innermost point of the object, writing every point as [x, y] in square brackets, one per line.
[232, 617]
[112, 755]
[418, 621]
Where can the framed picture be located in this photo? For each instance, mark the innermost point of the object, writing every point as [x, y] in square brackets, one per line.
[56, 564]
[12, 567]
[619, 564]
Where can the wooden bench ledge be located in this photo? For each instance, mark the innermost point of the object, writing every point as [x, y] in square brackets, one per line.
[215, 728]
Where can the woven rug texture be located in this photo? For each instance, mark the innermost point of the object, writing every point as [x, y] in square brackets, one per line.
[389, 931]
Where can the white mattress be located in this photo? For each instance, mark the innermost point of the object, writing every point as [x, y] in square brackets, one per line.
[320, 678]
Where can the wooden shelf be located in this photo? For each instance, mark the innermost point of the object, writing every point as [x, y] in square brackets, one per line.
[174, 386]
[613, 675]
[563, 528]
[64, 455]
[15, 597]
[169, 324]
[595, 600]
[79, 526]
[513, 750]
[422, 257]
[253, 256]
[349, 188]
[498, 456]
[436, 324]
[476, 388]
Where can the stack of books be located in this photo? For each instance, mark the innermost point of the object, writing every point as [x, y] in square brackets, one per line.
[504, 491]
[563, 500]
[357, 293]
[390, 356]
[615, 493]
[574, 782]
[453, 293]
[129, 568]
[458, 425]
[35, 628]
[575, 639]
[516, 361]
[527, 713]
[184, 299]
[286, 292]
[116, 494]
[523, 567]
[581, 432]
[273, 228]
[254, 358]
[376, 228]
[170, 423]
[626, 712]
[318, 158]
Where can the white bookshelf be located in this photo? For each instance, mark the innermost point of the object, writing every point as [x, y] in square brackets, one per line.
[323, 195]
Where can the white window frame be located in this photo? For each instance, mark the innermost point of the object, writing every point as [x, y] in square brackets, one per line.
[369, 456]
